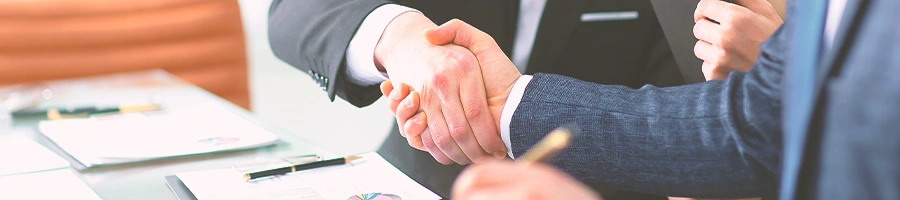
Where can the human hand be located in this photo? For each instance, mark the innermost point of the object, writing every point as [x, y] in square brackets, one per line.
[729, 36]
[445, 76]
[506, 180]
[493, 61]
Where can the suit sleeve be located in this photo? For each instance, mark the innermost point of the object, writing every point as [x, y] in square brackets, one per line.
[716, 139]
[313, 35]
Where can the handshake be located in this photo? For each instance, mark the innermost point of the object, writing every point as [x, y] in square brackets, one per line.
[451, 108]
[449, 88]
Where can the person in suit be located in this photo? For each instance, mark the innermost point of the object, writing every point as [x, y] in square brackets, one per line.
[815, 117]
[324, 39]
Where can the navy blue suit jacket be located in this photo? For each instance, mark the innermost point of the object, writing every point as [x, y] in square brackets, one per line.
[723, 139]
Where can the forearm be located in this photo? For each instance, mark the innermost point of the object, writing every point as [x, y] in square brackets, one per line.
[653, 140]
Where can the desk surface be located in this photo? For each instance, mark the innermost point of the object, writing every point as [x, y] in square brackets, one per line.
[145, 180]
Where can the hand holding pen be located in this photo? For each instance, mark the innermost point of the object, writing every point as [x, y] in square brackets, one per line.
[527, 178]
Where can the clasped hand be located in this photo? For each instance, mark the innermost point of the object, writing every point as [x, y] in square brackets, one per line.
[448, 108]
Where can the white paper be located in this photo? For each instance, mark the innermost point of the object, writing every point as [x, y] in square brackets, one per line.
[369, 175]
[21, 155]
[144, 136]
[55, 184]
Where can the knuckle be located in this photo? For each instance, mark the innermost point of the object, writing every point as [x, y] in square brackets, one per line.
[725, 44]
[429, 145]
[473, 112]
[443, 141]
[473, 108]
[458, 132]
[457, 62]
[440, 81]
[455, 21]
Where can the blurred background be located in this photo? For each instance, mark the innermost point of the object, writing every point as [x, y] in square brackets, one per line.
[219, 45]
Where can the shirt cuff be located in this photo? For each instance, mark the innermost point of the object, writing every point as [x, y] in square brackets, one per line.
[361, 51]
[512, 102]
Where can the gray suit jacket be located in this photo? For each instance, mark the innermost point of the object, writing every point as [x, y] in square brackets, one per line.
[723, 139]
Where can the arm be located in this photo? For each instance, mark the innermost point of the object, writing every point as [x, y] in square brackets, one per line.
[313, 37]
[717, 139]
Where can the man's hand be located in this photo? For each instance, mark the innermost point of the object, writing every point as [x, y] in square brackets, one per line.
[499, 72]
[730, 35]
[452, 92]
[506, 180]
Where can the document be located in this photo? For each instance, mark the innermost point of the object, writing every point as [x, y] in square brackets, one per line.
[21, 155]
[368, 178]
[55, 184]
[152, 135]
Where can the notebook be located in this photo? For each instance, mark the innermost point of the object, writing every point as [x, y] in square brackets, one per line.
[145, 136]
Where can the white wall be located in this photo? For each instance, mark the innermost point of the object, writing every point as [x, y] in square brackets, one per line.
[290, 99]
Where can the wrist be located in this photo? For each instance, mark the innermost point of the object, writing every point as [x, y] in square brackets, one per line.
[497, 103]
[403, 32]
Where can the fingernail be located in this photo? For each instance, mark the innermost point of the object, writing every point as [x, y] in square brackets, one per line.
[396, 94]
[417, 119]
[499, 155]
[408, 103]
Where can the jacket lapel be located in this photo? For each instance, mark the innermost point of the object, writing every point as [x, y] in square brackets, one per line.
[557, 24]
[833, 59]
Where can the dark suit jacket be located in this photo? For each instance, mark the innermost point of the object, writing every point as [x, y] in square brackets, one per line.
[313, 35]
[723, 139]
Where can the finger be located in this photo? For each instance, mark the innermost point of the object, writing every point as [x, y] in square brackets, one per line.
[440, 131]
[406, 109]
[708, 31]
[432, 149]
[477, 114]
[414, 129]
[707, 52]
[760, 7]
[709, 71]
[459, 142]
[400, 91]
[386, 88]
[719, 11]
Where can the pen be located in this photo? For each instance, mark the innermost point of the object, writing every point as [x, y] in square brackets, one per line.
[65, 113]
[549, 146]
[294, 168]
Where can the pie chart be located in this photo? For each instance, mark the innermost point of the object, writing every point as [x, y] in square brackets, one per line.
[375, 196]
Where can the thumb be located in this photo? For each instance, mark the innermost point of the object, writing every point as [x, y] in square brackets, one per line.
[460, 33]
